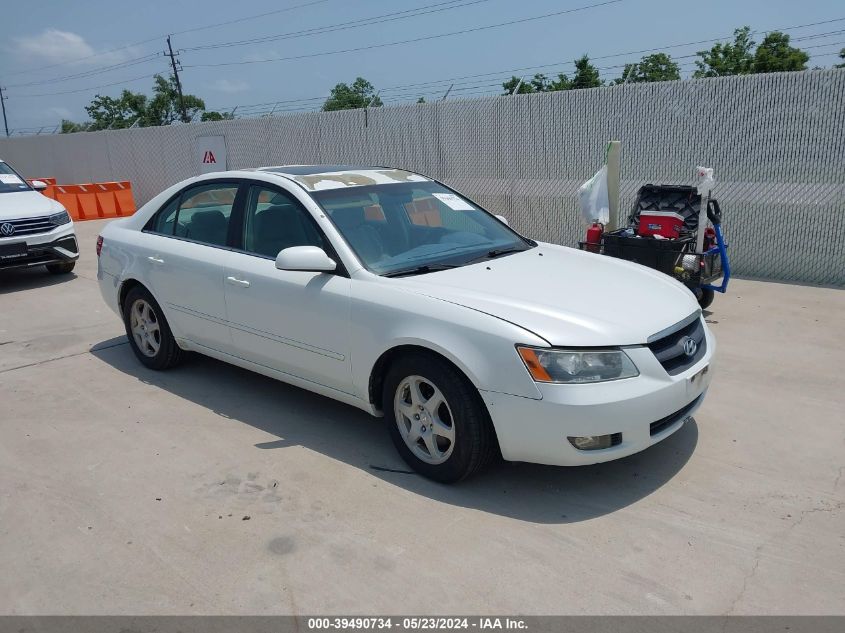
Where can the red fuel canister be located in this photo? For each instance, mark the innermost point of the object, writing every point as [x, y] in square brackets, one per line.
[594, 233]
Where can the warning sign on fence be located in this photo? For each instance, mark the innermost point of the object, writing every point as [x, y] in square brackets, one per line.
[211, 154]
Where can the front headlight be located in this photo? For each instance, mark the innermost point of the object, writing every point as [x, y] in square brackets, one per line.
[577, 366]
[57, 219]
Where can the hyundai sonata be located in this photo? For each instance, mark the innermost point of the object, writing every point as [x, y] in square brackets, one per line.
[389, 291]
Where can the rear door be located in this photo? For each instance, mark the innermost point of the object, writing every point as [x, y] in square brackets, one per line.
[185, 251]
[295, 322]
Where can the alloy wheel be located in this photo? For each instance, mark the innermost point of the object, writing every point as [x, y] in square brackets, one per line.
[143, 322]
[424, 419]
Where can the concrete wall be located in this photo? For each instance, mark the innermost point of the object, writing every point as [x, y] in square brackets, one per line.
[777, 142]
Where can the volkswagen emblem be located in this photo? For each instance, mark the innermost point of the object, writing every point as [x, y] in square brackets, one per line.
[7, 229]
[690, 346]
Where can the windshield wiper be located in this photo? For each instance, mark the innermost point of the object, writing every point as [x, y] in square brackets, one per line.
[498, 252]
[419, 270]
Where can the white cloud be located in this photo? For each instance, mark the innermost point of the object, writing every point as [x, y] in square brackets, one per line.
[230, 86]
[53, 46]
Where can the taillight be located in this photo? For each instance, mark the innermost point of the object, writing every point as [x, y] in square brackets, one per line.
[99, 244]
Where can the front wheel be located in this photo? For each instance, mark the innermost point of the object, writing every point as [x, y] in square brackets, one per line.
[148, 332]
[436, 419]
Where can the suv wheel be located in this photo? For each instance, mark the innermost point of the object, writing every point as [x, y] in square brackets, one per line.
[148, 331]
[436, 419]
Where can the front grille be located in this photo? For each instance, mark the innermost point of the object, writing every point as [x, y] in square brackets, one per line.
[664, 423]
[669, 348]
[30, 226]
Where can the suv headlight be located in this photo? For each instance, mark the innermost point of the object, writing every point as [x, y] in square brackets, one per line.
[57, 219]
[576, 366]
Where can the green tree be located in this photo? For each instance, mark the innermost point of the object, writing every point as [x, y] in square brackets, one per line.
[733, 58]
[110, 113]
[165, 106]
[525, 87]
[69, 127]
[211, 115]
[586, 75]
[135, 108]
[421, 100]
[361, 94]
[841, 56]
[774, 54]
[657, 67]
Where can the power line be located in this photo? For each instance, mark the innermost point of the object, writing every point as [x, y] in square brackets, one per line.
[86, 89]
[410, 41]
[398, 15]
[159, 37]
[342, 26]
[558, 65]
[92, 72]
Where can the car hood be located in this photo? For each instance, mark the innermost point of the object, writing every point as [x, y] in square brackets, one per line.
[566, 296]
[19, 205]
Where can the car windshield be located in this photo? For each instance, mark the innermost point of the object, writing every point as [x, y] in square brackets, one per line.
[415, 227]
[10, 180]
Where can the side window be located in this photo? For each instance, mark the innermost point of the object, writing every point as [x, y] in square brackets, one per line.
[164, 221]
[201, 214]
[275, 220]
[204, 213]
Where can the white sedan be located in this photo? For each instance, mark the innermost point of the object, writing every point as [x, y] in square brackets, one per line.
[391, 292]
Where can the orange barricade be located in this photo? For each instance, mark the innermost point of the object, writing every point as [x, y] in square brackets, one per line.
[66, 196]
[93, 201]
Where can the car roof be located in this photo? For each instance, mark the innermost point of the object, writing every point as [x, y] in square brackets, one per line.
[322, 177]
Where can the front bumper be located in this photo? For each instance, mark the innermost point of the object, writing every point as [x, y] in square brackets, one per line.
[644, 410]
[53, 247]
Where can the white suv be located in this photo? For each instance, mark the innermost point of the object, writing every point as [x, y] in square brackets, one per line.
[34, 230]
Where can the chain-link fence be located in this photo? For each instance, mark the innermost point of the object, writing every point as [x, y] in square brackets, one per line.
[777, 143]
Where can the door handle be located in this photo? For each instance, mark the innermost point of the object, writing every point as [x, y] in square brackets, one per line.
[155, 259]
[238, 282]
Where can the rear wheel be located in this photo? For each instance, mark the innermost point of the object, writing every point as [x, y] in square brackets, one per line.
[62, 268]
[436, 418]
[148, 332]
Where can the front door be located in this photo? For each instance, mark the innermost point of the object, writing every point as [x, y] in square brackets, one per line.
[291, 321]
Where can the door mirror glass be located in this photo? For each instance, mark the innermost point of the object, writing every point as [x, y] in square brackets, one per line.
[503, 219]
[305, 258]
[38, 185]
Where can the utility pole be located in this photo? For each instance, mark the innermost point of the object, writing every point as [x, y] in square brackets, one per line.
[3, 103]
[443, 98]
[178, 83]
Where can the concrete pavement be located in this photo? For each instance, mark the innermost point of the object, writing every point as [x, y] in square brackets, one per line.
[212, 490]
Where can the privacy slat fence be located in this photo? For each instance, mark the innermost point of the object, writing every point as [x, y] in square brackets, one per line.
[777, 143]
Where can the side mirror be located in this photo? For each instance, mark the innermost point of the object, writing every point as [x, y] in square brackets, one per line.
[305, 258]
[503, 219]
[38, 185]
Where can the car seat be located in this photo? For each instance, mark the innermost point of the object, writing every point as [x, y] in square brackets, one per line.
[208, 226]
[281, 226]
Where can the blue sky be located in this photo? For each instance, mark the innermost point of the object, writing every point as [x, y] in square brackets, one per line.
[58, 46]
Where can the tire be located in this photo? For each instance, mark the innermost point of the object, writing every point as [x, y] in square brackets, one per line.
[436, 455]
[60, 269]
[706, 298]
[148, 332]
